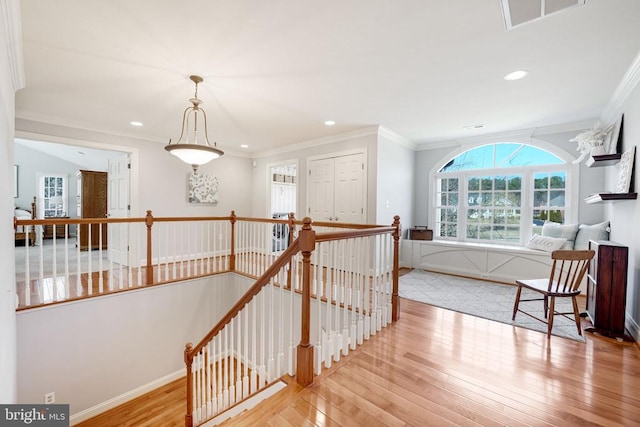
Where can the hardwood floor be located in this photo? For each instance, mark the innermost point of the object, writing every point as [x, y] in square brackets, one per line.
[438, 367]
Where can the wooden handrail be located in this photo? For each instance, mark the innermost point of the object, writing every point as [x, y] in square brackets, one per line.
[339, 235]
[75, 221]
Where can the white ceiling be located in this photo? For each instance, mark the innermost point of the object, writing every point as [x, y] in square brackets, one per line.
[276, 70]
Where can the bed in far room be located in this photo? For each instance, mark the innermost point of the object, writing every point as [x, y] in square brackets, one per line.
[22, 232]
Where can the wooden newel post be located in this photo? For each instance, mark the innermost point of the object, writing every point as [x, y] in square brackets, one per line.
[304, 368]
[149, 267]
[395, 299]
[232, 257]
[188, 360]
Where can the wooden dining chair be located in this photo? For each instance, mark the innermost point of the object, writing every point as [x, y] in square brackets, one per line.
[567, 271]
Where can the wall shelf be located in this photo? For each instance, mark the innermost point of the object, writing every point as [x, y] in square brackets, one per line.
[610, 197]
[603, 160]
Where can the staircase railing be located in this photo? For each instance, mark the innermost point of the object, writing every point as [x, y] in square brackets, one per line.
[322, 296]
[95, 256]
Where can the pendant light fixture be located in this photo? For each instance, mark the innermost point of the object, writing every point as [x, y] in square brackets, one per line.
[193, 148]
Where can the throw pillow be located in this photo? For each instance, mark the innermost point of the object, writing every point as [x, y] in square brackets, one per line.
[565, 231]
[547, 244]
[591, 232]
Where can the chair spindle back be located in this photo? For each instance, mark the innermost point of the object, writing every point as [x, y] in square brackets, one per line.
[568, 269]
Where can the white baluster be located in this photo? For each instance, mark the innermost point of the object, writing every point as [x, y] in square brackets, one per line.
[27, 275]
[67, 291]
[238, 357]
[328, 341]
[254, 351]
[89, 248]
[215, 379]
[231, 359]
[218, 359]
[271, 326]
[245, 378]
[291, 367]
[316, 262]
[78, 262]
[281, 311]
[100, 278]
[126, 239]
[262, 370]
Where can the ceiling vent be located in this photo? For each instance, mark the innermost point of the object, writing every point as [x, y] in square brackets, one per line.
[518, 12]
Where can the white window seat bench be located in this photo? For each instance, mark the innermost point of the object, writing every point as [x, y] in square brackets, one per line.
[499, 263]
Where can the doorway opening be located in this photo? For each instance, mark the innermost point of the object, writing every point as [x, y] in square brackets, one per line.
[283, 189]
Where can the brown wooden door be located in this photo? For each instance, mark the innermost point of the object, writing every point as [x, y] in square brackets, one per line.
[93, 204]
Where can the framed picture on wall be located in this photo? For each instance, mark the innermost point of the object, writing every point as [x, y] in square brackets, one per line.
[203, 188]
[15, 181]
[626, 170]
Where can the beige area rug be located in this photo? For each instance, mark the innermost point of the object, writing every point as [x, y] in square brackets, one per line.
[492, 301]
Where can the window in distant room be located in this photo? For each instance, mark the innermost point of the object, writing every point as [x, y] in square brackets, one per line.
[53, 193]
[500, 193]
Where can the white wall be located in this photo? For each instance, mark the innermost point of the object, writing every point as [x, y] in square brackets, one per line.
[395, 183]
[625, 215]
[94, 350]
[159, 179]
[11, 79]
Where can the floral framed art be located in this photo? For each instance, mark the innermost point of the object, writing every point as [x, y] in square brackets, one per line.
[626, 170]
[203, 189]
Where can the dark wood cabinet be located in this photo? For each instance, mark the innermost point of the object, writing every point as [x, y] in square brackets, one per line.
[607, 288]
[92, 203]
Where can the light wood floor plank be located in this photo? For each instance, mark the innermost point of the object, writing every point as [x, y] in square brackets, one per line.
[437, 367]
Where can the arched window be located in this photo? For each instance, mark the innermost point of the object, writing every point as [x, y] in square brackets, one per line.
[500, 193]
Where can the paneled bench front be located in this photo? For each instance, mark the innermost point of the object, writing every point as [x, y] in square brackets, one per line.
[491, 262]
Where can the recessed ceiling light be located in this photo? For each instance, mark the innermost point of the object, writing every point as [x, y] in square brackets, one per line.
[516, 75]
[137, 124]
[244, 146]
[329, 123]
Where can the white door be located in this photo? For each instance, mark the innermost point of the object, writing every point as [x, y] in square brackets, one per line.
[321, 189]
[349, 189]
[337, 189]
[118, 205]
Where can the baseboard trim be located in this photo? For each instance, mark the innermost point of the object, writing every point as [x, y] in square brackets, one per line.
[125, 397]
[632, 327]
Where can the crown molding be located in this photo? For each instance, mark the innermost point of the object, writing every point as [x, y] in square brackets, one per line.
[517, 135]
[12, 24]
[358, 133]
[626, 86]
[509, 136]
[397, 138]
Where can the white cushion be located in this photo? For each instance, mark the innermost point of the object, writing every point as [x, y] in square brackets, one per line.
[20, 213]
[565, 231]
[591, 232]
[547, 244]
